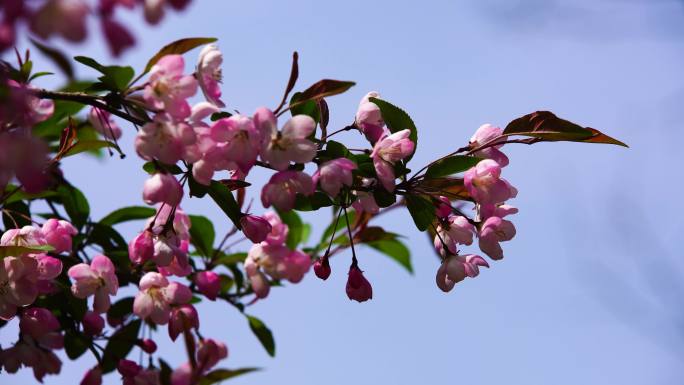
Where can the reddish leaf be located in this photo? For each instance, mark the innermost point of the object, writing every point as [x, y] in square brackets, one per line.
[452, 188]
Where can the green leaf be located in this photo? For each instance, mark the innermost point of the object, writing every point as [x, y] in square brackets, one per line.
[422, 211]
[115, 78]
[154, 167]
[88, 145]
[7, 251]
[75, 344]
[451, 165]
[230, 259]
[75, 204]
[396, 120]
[394, 249]
[24, 196]
[547, 126]
[121, 308]
[298, 106]
[219, 375]
[177, 47]
[120, 344]
[39, 75]
[226, 201]
[125, 214]
[16, 214]
[312, 202]
[220, 115]
[202, 234]
[197, 189]
[383, 197]
[262, 333]
[57, 57]
[326, 87]
[295, 227]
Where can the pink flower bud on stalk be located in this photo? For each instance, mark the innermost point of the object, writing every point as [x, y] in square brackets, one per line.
[369, 118]
[183, 318]
[92, 377]
[58, 234]
[358, 287]
[147, 345]
[128, 368]
[322, 268]
[162, 188]
[208, 283]
[255, 228]
[389, 150]
[93, 323]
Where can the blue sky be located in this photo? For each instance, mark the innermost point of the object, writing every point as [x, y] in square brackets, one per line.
[589, 291]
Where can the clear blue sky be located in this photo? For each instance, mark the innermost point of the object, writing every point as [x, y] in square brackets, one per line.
[587, 290]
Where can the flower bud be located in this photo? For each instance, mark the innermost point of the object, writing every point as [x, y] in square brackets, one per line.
[93, 323]
[162, 188]
[210, 353]
[58, 234]
[128, 368]
[141, 248]
[322, 268]
[358, 287]
[208, 283]
[443, 209]
[183, 318]
[147, 345]
[37, 322]
[255, 228]
[92, 377]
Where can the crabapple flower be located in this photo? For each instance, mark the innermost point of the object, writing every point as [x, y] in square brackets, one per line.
[365, 201]
[58, 234]
[484, 183]
[157, 295]
[18, 276]
[48, 269]
[134, 374]
[148, 345]
[456, 268]
[486, 134]
[92, 377]
[210, 352]
[281, 190]
[443, 209]
[238, 141]
[179, 265]
[93, 323]
[162, 188]
[98, 279]
[453, 231]
[358, 287]
[288, 145]
[64, 17]
[493, 231]
[278, 262]
[26, 236]
[181, 221]
[103, 123]
[279, 230]
[167, 248]
[333, 174]
[209, 74]
[42, 326]
[500, 211]
[322, 268]
[154, 10]
[208, 283]
[387, 151]
[118, 37]
[43, 361]
[141, 248]
[297, 265]
[166, 140]
[255, 228]
[168, 88]
[183, 318]
[369, 118]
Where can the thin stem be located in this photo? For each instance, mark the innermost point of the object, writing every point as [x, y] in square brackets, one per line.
[84, 98]
[332, 236]
[351, 238]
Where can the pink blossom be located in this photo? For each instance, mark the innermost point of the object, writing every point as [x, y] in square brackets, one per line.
[103, 123]
[157, 295]
[291, 144]
[26, 236]
[455, 268]
[48, 269]
[485, 185]
[128, 368]
[181, 221]
[118, 37]
[182, 375]
[283, 187]
[493, 231]
[147, 345]
[209, 74]
[183, 318]
[93, 323]
[500, 211]
[322, 268]
[297, 265]
[18, 276]
[162, 188]
[334, 174]
[97, 279]
[42, 326]
[238, 141]
[255, 228]
[453, 231]
[64, 17]
[167, 248]
[141, 248]
[165, 140]
[208, 283]
[168, 88]
[43, 361]
[92, 377]
[154, 10]
[488, 134]
[444, 208]
[369, 118]
[58, 234]
[279, 262]
[279, 230]
[365, 201]
[389, 150]
[210, 352]
[358, 287]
